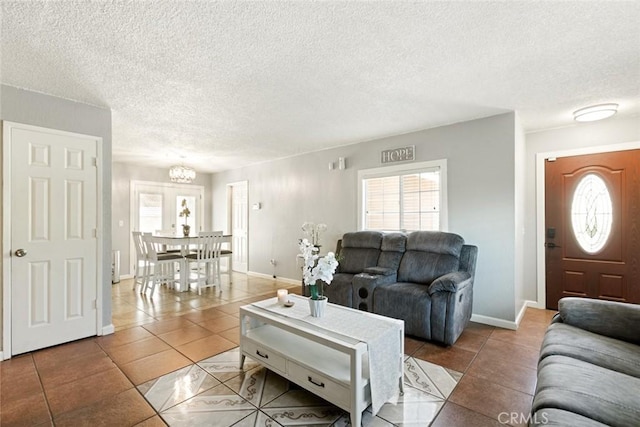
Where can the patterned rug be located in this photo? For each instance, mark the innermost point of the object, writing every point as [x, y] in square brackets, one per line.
[215, 392]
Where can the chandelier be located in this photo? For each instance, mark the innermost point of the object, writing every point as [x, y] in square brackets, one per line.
[181, 173]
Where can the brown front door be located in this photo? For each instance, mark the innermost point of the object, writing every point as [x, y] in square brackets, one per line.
[592, 220]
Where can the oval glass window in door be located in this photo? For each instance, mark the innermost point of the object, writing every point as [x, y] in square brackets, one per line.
[591, 213]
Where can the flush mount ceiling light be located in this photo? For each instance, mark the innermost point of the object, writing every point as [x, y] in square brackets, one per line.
[595, 112]
[182, 174]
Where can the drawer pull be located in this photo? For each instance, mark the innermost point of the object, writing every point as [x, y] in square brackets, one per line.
[315, 383]
[264, 356]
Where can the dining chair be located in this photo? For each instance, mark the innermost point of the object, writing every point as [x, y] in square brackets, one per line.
[158, 261]
[207, 259]
[227, 253]
[141, 269]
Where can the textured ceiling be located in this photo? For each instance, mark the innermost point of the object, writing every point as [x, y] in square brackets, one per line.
[225, 84]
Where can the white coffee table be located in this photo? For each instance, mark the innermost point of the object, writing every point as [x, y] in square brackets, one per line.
[331, 362]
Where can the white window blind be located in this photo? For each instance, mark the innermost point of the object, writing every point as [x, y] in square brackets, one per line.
[394, 199]
[150, 212]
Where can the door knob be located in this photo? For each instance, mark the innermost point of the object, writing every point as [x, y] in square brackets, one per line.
[551, 245]
[20, 253]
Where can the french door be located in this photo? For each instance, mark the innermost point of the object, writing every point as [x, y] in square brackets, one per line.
[156, 208]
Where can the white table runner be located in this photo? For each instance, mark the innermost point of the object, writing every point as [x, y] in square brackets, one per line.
[381, 335]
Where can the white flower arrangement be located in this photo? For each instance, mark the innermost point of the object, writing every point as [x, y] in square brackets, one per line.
[313, 231]
[316, 268]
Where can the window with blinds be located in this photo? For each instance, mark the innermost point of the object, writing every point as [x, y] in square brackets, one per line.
[401, 200]
[150, 212]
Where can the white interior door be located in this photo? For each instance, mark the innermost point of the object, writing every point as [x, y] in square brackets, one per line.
[239, 218]
[54, 248]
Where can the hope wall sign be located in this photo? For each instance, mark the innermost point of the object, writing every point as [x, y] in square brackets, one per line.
[398, 154]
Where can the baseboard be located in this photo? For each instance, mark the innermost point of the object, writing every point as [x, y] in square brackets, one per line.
[260, 275]
[501, 323]
[536, 304]
[123, 277]
[1, 355]
[277, 279]
[493, 321]
[521, 313]
[290, 281]
[109, 329]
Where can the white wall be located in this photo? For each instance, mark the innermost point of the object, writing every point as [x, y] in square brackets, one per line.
[604, 133]
[37, 109]
[480, 160]
[123, 174]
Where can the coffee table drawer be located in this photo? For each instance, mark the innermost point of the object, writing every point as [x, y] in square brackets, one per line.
[265, 356]
[319, 384]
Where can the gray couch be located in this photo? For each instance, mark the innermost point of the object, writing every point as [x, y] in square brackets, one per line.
[358, 251]
[589, 368]
[424, 278]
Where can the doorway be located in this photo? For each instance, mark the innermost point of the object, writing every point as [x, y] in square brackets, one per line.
[52, 237]
[238, 220]
[592, 227]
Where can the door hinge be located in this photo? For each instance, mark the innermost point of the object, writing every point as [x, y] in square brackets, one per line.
[94, 232]
[94, 161]
[551, 159]
[95, 303]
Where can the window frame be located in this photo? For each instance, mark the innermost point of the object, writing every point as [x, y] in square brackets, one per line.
[404, 169]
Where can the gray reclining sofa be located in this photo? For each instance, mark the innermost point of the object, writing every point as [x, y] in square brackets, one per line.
[424, 278]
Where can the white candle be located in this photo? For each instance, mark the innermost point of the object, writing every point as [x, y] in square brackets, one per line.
[282, 296]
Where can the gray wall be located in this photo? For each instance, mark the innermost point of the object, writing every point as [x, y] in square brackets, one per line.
[606, 132]
[481, 192]
[37, 109]
[123, 174]
[521, 282]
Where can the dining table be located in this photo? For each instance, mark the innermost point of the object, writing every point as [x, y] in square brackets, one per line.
[184, 242]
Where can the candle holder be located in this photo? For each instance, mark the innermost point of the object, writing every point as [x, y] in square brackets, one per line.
[283, 296]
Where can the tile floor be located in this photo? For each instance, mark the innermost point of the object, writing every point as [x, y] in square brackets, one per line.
[167, 364]
[215, 392]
